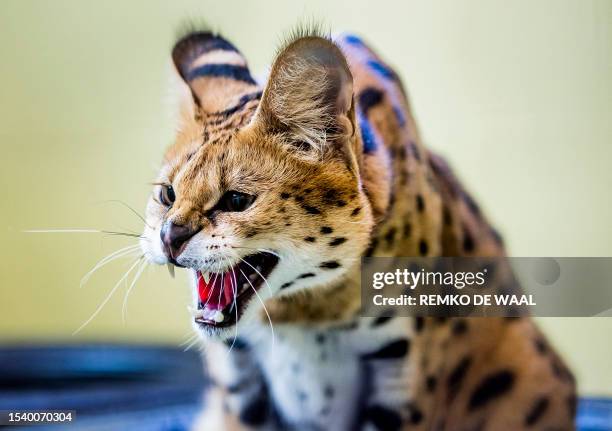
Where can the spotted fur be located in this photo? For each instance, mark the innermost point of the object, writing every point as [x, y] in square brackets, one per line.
[329, 147]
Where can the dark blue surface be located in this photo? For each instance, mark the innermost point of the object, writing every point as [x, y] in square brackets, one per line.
[137, 388]
[109, 387]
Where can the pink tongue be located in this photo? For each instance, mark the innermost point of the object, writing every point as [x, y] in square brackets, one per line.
[218, 293]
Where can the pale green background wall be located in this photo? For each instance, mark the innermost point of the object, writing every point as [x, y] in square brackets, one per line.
[517, 94]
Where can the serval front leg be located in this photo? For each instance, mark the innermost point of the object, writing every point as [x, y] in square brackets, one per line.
[237, 398]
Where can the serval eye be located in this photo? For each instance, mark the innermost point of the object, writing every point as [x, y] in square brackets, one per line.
[166, 195]
[235, 201]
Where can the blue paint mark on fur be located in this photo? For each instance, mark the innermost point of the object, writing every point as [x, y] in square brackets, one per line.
[399, 115]
[353, 40]
[381, 69]
[367, 134]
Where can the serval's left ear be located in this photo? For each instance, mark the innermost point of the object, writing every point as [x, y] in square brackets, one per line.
[213, 71]
[309, 96]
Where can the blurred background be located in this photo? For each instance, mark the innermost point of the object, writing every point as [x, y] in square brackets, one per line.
[517, 95]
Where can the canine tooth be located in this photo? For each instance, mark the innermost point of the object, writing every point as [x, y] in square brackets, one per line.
[206, 276]
[170, 269]
[208, 313]
[219, 317]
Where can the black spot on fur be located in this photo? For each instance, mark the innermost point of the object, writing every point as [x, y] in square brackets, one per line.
[372, 248]
[419, 323]
[337, 241]
[330, 264]
[310, 239]
[390, 236]
[381, 320]
[446, 216]
[468, 241]
[456, 377]
[320, 338]
[497, 237]
[328, 391]
[492, 387]
[355, 211]
[392, 199]
[415, 151]
[239, 344]
[540, 346]
[431, 382]
[420, 203]
[239, 386]
[383, 418]
[333, 197]
[471, 204]
[571, 405]
[537, 411]
[407, 230]
[369, 98]
[416, 415]
[459, 327]
[286, 285]
[326, 230]
[256, 412]
[423, 247]
[306, 275]
[251, 233]
[560, 371]
[394, 350]
[311, 210]
[285, 196]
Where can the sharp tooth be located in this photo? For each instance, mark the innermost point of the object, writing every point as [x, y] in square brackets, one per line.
[219, 316]
[170, 269]
[206, 276]
[208, 313]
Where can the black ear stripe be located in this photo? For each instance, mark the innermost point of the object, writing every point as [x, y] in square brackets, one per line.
[192, 46]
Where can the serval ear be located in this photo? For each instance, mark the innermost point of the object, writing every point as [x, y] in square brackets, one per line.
[214, 71]
[309, 95]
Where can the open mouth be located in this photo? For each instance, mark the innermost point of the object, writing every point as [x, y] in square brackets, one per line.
[222, 296]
